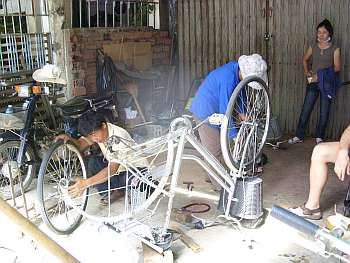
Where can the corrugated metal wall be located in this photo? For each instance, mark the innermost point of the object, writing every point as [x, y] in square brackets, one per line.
[212, 32]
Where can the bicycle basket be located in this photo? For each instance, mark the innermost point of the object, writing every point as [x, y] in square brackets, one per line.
[13, 121]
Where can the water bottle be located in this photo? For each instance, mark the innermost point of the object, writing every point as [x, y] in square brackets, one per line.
[9, 109]
[25, 105]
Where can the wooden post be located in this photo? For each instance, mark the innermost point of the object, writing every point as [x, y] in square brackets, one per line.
[30, 229]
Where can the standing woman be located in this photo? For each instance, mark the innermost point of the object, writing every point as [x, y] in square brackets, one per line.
[322, 76]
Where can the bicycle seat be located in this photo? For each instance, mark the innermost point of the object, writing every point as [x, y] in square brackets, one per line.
[95, 99]
[81, 104]
[75, 106]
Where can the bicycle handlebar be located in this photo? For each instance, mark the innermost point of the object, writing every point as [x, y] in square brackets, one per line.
[294, 221]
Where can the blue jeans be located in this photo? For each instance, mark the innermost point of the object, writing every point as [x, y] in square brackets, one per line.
[312, 92]
[95, 164]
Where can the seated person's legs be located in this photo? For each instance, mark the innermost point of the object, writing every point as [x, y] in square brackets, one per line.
[322, 155]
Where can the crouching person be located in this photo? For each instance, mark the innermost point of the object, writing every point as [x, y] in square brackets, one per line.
[94, 129]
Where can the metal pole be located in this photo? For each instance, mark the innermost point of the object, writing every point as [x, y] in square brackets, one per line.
[113, 13]
[141, 13]
[135, 23]
[97, 15]
[147, 17]
[30, 229]
[30, 51]
[20, 31]
[1, 57]
[154, 15]
[128, 15]
[89, 14]
[79, 13]
[37, 50]
[106, 13]
[120, 13]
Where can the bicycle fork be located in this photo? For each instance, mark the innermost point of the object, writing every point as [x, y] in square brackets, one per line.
[174, 178]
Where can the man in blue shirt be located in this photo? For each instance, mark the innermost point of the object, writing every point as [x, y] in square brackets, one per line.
[214, 94]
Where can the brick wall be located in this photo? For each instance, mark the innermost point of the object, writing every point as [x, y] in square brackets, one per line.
[82, 45]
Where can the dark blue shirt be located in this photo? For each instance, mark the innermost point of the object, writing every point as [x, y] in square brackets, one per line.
[214, 93]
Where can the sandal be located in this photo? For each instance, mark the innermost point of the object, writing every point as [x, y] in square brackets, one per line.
[302, 211]
[115, 195]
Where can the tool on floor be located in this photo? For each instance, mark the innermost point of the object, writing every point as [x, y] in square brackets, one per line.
[188, 241]
[189, 185]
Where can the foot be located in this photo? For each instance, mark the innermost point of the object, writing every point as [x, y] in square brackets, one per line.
[302, 211]
[294, 140]
[319, 140]
[115, 195]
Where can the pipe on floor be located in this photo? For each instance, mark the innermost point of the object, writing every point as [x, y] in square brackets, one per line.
[30, 229]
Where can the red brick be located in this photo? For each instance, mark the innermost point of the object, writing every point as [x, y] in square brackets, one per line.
[163, 33]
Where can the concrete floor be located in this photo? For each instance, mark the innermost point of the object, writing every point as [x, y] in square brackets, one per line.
[285, 183]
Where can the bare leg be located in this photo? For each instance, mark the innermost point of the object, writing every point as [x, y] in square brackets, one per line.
[323, 154]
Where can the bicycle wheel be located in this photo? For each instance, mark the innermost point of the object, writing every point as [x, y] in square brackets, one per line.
[62, 165]
[9, 167]
[244, 130]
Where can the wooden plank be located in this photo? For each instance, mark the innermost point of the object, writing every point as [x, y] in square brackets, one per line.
[218, 32]
[211, 34]
[199, 32]
[231, 30]
[266, 47]
[246, 27]
[224, 31]
[276, 60]
[180, 45]
[193, 43]
[187, 59]
[252, 28]
[205, 43]
[239, 31]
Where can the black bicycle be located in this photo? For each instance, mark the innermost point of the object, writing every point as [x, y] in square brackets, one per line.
[26, 136]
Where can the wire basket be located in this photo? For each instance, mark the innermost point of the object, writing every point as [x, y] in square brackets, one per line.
[249, 193]
[13, 121]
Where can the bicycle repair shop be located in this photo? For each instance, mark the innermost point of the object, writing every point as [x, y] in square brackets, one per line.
[164, 47]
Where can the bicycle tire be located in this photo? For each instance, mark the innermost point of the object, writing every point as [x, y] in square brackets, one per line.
[5, 191]
[235, 99]
[52, 156]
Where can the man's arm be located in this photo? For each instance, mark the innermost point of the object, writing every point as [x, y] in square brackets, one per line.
[81, 184]
[342, 163]
[81, 143]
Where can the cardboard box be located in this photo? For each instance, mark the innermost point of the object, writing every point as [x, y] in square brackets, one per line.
[135, 54]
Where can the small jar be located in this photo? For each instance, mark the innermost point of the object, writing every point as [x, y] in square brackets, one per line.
[9, 109]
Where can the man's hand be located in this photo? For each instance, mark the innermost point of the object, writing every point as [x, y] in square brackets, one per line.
[63, 137]
[342, 164]
[78, 188]
[243, 116]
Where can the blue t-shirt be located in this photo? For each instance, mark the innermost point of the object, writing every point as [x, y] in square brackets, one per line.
[214, 93]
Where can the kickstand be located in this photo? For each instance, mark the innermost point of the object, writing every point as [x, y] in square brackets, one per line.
[278, 145]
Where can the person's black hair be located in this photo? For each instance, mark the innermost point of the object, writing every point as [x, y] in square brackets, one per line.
[90, 122]
[327, 25]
